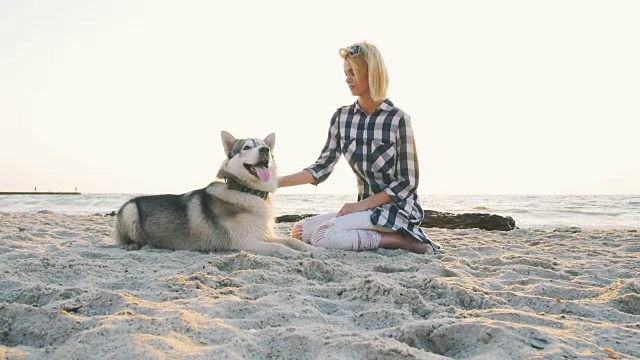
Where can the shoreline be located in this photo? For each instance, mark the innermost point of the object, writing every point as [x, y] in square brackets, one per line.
[292, 218]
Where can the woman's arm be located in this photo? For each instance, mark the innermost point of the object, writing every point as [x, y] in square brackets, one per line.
[407, 164]
[299, 178]
[323, 167]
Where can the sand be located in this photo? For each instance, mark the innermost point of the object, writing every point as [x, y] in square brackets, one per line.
[68, 292]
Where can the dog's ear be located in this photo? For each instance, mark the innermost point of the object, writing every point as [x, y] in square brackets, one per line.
[227, 141]
[270, 140]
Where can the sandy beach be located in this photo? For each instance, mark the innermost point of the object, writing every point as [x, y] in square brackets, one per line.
[68, 292]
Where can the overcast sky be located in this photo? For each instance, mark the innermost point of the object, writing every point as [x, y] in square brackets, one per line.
[506, 97]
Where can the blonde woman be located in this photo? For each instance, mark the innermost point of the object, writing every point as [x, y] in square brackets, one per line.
[376, 139]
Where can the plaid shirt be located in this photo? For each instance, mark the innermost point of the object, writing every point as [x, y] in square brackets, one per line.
[381, 152]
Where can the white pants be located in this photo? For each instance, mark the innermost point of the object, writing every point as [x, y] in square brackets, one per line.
[353, 231]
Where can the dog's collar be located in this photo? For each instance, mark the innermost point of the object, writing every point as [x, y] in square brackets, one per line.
[234, 185]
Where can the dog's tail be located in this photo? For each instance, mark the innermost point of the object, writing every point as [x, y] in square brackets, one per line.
[128, 229]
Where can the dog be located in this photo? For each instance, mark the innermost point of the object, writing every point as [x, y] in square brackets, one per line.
[232, 214]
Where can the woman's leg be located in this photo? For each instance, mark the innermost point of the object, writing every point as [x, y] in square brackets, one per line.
[303, 229]
[395, 240]
[355, 232]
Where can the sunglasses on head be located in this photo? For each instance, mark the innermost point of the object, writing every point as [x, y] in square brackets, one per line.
[355, 50]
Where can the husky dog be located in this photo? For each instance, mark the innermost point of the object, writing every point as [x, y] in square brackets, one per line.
[234, 214]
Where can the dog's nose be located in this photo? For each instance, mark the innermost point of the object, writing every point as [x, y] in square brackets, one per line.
[264, 151]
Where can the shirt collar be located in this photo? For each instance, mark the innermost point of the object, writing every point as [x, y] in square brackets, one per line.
[386, 105]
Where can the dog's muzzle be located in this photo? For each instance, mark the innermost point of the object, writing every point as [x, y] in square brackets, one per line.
[260, 170]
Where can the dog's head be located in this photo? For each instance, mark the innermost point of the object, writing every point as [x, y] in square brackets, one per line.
[250, 161]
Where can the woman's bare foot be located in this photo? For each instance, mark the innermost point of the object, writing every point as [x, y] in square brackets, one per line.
[419, 247]
[296, 232]
[399, 241]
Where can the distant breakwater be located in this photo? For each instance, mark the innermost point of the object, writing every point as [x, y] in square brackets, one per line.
[39, 193]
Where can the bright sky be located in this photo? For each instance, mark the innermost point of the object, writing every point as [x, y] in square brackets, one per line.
[506, 97]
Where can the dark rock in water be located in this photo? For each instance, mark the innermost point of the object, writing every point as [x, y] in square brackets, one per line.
[292, 218]
[437, 219]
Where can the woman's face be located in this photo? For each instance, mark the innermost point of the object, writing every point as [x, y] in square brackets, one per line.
[360, 85]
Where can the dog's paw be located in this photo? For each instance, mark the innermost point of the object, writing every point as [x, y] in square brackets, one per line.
[290, 251]
[311, 248]
[132, 246]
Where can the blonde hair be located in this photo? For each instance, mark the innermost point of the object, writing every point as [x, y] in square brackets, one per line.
[377, 71]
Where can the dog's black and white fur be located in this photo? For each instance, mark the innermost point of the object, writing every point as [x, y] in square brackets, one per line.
[215, 218]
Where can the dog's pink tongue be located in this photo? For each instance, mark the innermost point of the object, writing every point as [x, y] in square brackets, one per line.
[263, 173]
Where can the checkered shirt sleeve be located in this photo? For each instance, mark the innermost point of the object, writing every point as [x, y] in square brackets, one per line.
[407, 163]
[330, 154]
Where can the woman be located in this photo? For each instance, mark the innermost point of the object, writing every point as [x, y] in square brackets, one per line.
[376, 139]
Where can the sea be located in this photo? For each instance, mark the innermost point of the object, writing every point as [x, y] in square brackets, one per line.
[543, 212]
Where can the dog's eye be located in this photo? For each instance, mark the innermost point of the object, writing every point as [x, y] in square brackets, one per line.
[246, 147]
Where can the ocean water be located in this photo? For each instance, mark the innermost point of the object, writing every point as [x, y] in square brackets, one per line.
[545, 212]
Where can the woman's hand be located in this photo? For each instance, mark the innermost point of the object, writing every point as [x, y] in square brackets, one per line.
[374, 201]
[349, 208]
